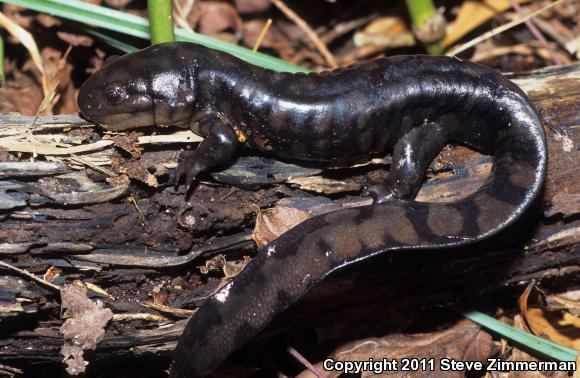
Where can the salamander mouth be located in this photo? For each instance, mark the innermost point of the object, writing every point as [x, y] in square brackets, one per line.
[122, 121]
[134, 111]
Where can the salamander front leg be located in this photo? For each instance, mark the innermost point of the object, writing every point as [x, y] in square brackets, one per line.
[411, 156]
[218, 149]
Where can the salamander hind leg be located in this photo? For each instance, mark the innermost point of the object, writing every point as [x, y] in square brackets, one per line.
[218, 149]
[411, 156]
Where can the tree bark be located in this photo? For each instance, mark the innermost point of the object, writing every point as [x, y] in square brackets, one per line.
[80, 204]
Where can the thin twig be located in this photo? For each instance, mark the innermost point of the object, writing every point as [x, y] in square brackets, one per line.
[536, 33]
[305, 362]
[81, 160]
[324, 51]
[180, 12]
[341, 29]
[14, 145]
[33, 277]
[501, 29]
[262, 35]
[9, 370]
[168, 310]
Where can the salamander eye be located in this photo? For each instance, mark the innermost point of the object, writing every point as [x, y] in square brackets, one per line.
[115, 93]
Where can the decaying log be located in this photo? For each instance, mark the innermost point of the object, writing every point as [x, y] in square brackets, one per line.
[80, 204]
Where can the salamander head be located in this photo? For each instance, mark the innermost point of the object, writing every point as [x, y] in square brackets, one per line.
[151, 87]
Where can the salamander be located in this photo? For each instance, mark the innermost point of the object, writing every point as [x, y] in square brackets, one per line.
[408, 106]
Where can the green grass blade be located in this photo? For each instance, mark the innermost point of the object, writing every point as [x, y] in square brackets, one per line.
[161, 20]
[119, 45]
[547, 348]
[135, 26]
[420, 12]
[90, 14]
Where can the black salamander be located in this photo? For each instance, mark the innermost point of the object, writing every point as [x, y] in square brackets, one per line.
[410, 106]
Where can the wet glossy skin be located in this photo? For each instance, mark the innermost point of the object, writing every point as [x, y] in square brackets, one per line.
[410, 106]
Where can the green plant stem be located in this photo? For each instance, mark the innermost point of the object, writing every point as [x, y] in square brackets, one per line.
[434, 49]
[160, 21]
[420, 12]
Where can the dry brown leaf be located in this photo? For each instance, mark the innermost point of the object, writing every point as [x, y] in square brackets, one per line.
[75, 39]
[84, 326]
[58, 72]
[252, 6]
[273, 39]
[487, 50]
[473, 14]
[216, 263]
[323, 185]
[560, 327]
[387, 32]
[28, 42]
[465, 341]
[68, 103]
[57, 78]
[273, 222]
[385, 25]
[523, 299]
[22, 95]
[519, 355]
[51, 273]
[48, 21]
[233, 268]
[218, 16]
[569, 301]
[16, 14]
[229, 268]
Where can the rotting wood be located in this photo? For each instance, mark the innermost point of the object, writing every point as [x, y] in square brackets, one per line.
[109, 228]
[31, 169]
